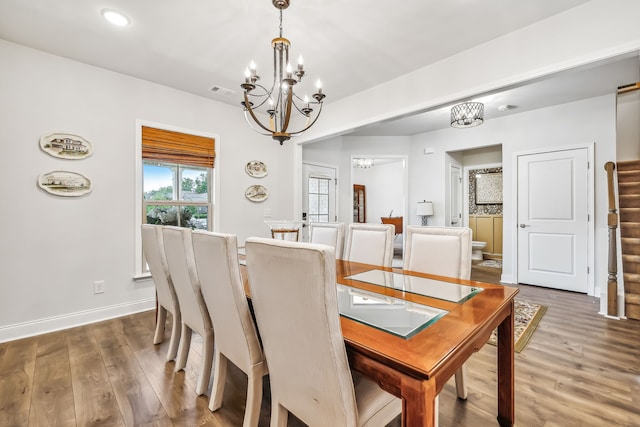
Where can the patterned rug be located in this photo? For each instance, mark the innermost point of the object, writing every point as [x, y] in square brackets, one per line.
[527, 317]
[493, 263]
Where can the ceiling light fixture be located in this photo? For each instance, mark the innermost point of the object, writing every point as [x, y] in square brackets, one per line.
[116, 18]
[280, 101]
[363, 163]
[467, 114]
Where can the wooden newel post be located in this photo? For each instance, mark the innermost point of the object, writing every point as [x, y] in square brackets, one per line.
[612, 221]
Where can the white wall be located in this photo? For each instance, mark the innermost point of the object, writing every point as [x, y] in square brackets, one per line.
[583, 122]
[628, 126]
[52, 249]
[384, 184]
[590, 32]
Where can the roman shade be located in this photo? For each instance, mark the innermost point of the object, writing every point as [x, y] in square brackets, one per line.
[176, 147]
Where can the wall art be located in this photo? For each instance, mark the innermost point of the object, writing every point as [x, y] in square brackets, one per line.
[66, 184]
[489, 188]
[66, 146]
[256, 193]
[256, 169]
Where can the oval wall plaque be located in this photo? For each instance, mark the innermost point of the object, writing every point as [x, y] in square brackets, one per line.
[66, 184]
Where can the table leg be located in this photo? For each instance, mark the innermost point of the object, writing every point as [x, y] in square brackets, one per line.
[418, 396]
[418, 403]
[506, 370]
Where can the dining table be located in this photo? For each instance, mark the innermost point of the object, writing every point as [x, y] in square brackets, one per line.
[410, 332]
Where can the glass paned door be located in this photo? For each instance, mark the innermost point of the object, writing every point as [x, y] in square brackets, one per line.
[318, 195]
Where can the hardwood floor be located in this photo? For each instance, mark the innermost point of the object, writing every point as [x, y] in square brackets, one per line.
[579, 369]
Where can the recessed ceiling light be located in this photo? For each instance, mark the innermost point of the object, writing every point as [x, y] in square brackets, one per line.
[116, 18]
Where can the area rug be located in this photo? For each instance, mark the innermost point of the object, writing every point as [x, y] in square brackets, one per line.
[493, 263]
[527, 317]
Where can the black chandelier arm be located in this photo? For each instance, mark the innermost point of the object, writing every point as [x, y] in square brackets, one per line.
[257, 130]
[287, 110]
[247, 106]
[310, 124]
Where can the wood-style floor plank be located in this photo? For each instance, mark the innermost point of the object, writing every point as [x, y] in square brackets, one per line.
[136, 398]
[579, 369]
[52, 398]
[94, 399]
[16, 382]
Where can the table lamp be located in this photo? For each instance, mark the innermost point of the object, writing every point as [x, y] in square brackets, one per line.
[425, 210]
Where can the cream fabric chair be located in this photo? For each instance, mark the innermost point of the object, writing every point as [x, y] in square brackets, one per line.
[293, 289]
[195, 317]
[328, 233]
[370, 244]
[445, 251]
[216, 257]
[153, 248]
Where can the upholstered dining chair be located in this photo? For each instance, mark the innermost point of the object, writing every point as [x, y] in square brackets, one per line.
[153, 248]
[328, 233]
[216, 257]
[297, 314]
[370, 243]
[445, 251]
[178, 248]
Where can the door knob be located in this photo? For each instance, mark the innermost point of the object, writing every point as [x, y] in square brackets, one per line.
[523, 225]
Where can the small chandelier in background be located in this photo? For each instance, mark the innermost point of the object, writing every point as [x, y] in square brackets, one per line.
[280, 102]
[467, 114]
[363, 163]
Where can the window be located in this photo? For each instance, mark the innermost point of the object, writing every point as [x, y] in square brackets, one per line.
[176, 195]
[175, 182]
[318, 199]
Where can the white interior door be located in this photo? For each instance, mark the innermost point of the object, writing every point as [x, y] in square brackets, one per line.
[318, 196]
[455, 197]
[553, 219]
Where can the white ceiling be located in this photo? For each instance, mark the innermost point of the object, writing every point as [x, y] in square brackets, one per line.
[350, 45]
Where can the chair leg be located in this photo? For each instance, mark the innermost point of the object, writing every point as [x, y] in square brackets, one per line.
[254, 399]
[279, 414]
[219, 378]
[461, 382]
[207, 358]
[185, 345]
[176, 333]
[161, 318]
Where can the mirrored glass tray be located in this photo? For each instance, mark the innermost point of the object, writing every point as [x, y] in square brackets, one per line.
[418, 285]
[393, 315]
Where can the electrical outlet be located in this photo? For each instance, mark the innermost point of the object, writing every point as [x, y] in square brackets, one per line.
[267, 213]
[98, 287]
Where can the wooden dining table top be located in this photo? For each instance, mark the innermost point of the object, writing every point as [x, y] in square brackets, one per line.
[463, 330]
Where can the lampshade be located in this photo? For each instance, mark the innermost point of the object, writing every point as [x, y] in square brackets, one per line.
[424, 208]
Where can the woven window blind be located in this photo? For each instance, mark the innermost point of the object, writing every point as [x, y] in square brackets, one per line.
[175, 147]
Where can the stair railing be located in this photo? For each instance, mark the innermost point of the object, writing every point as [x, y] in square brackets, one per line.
[612, 221]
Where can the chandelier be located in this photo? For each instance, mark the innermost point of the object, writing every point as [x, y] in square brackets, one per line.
[363, 163]
[280, 102]
[467, 114]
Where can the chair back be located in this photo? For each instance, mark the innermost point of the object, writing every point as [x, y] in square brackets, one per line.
[445, 251]
[370, 244]
[328, 233]
[179, 251]
[153, 248]
[293, 290]
[216, 260]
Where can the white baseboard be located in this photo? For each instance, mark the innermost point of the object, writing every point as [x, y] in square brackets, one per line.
[507, 278]
[66, 321]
